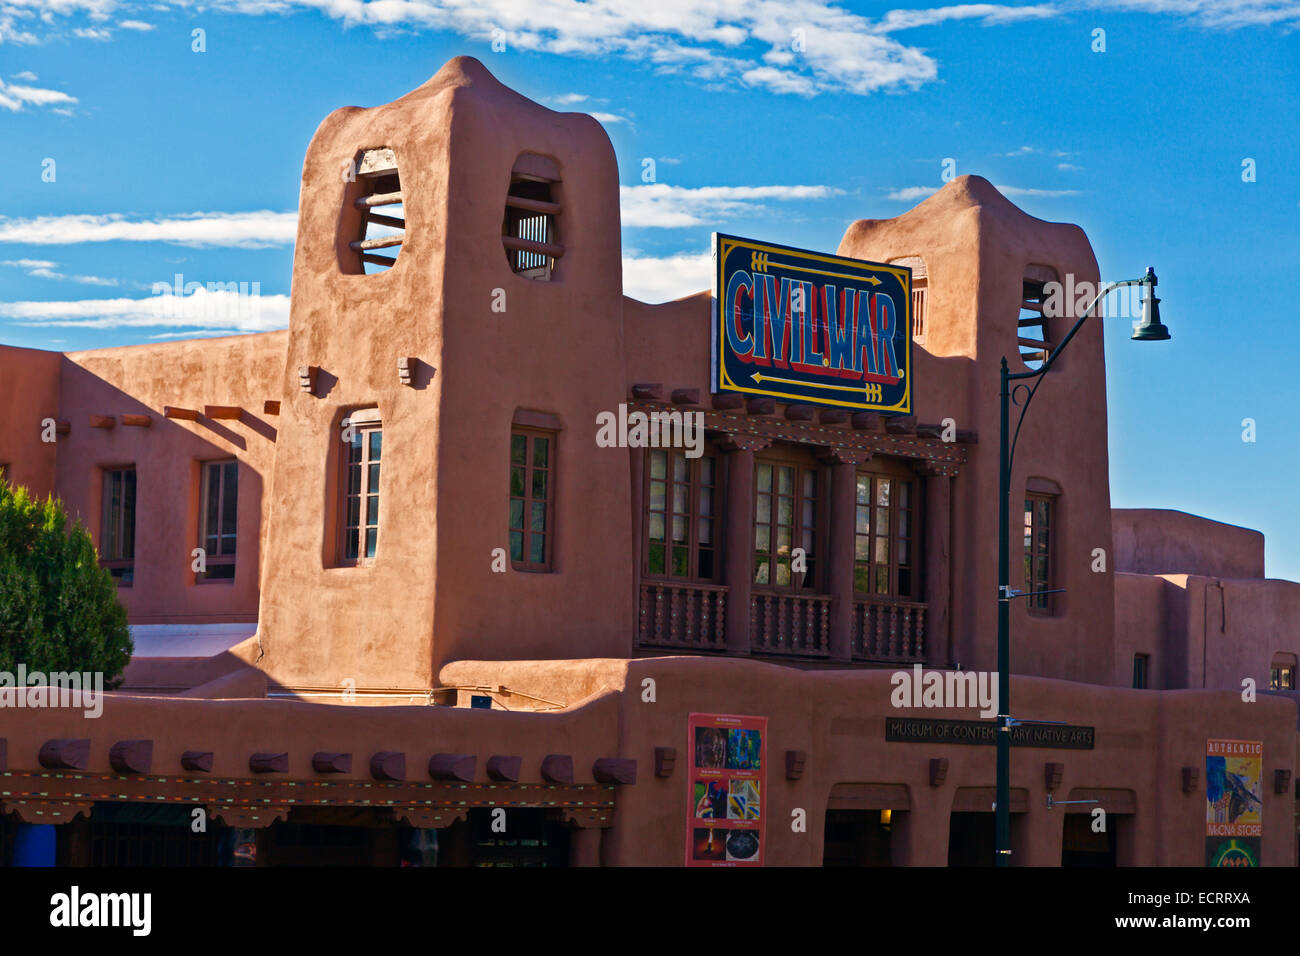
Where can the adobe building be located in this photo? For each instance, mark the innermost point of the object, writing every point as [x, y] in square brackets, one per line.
[428, 593]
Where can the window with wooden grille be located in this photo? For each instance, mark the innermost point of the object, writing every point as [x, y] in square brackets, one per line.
[117, 527]
[1281, 675]
[1040, 519]
[919, 289]
[786, 516]
[362, 451]
[381, 189]
[1033, 328]
[217, 521]
[529, 230]
[532, 498]
[885, 554]
[682, 519]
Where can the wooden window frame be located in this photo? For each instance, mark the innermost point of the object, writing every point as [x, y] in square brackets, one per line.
[1043, 605]
[531, 434]
[1141, 671]
[802, 463]
[223, 558]
[1282, 673]
[118, 560]
[695, 485]
[349, 534]
[896, 475]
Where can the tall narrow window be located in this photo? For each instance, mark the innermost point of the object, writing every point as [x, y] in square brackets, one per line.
[217, 526]
[1039, 523]
[681, 512]
[786, 496]
[1033, 332]
[529, 231]
[361, 458]
[117, 529]
[1141, 665]
[380, 188]
[884, 547]
[532, 494]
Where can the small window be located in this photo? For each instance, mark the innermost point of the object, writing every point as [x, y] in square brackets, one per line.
[529, 230]
[1033, 332]
[381, 189]
[786, 514]
[117, 529]
[1040, 519]
[1141, 667]
[217, 523]
[359, 527]
[532, 498]
[1281, 676]
[884, 545]
[682, 515]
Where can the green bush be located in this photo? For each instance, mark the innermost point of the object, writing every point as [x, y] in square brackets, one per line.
[58, 608]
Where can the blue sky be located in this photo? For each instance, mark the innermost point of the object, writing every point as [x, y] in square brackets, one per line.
[167, 160]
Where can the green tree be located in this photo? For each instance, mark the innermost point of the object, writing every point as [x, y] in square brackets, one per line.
[58, 608]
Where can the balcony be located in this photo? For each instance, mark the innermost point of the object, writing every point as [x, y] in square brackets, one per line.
[793, 624]
[688, 617]
[888, 631]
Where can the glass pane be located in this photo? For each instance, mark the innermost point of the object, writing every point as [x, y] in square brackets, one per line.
[354, 447]
[1042, 541]
[681, 495]
[516, 546]
[537, 548]
[679, 529]
[354, 479]
[516, 513]
[210, 543]
[706, 470]
[761, 564]
[372, 485]
[905, 582]
[809, 544]
[372, 510]
[658, 464]
[350, 548]
[810, 484]
[864, 490]
[681, 562]
[679, 467]
[882, 550]
[539, 484]
[517, 482]
[1029, 573]
[656, 559]
[862, 548]
[376, 443]
[518, 450]
[784, 511]
[210, 523]
[541, 453]
[882, 491]
[763, 507]
[706, 531]
[783, 573]
[371, 534]
[904, 524]
[230, 499]
[764, 478]
[128, 514]
[807, 513]
[862, 524]
[783, 539]
[658, 491]
[882, 579]
[905, 494]
[904, 550]
[763, 538]
[862, 578]
[785, 479]
[705, 561]
[1044, 513]
[656, 527]
[1029, 514]
[354, 511]
[537, 520]
[1041, 568]
[706, 501]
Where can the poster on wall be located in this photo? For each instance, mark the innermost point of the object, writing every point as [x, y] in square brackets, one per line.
[726, 789]
[1233, 801]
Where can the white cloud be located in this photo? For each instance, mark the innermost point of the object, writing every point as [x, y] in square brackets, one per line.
[608, 118]
[664, 206]
[912, 193]
[250, 230]
[1036, 151]
[93, 33]
[990, 14]
[202, 310]
[26, 75]
[15, 98]
[135, 25]
[568, 99]
[1068, 167]
[663, 279]
[45, 269]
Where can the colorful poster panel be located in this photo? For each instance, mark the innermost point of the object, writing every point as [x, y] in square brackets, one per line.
[1234, 822]
[727, 783]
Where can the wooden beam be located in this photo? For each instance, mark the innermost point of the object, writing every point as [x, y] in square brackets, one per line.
[269, 763]
[131, 756]
[528, 245]
[188, 414]
[65, 754]
[197, 761]
[833, 416]
[270, 407]
[533, 205]
[760, 406]
[557, 768]
[799, 413]
[327, 762]
[616, 770]
[868, 422]
[381, 242]
[228, 412]
[1034, 344]
[375, 260]
[504, 768]
[137, 421]
[900, 424]
[457, 767]
[388, 765]
[379, 199]
[387, 220]
[686, 396]
[648, 392]
[62, 426]
[728, 401]
[102, 421]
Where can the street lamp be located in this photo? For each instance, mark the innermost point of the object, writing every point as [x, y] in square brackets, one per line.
[1149, 329]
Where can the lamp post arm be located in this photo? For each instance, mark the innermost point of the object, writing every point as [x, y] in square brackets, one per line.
[1051, 358]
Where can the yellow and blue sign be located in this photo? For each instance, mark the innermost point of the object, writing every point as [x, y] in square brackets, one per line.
[805, 327]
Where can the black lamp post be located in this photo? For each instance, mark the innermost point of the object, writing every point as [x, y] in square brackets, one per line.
[1148, 330]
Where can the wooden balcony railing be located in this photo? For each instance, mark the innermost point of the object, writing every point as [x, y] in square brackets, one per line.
[687, 616]
[789, 623]
[888, 631]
